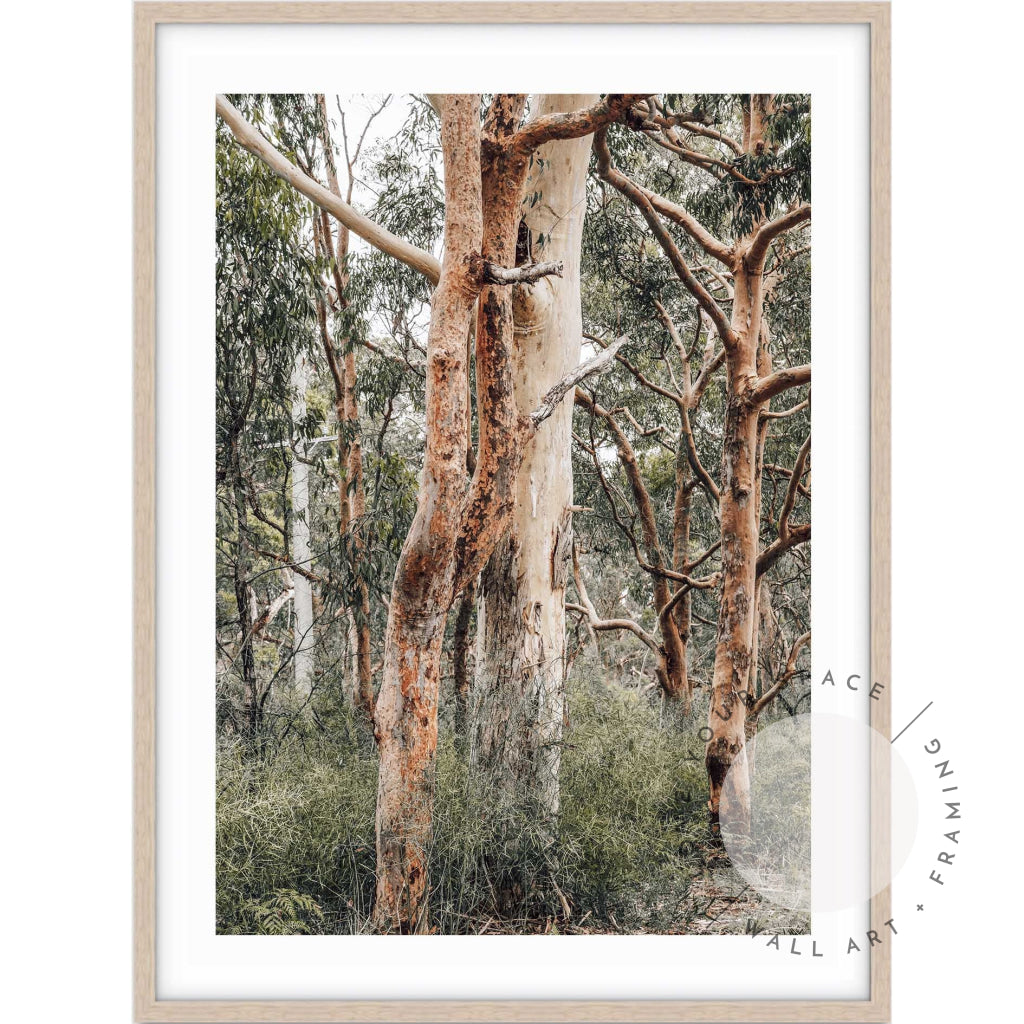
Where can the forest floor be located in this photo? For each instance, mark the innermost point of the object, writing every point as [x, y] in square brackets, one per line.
[720, 902]
[725, 904]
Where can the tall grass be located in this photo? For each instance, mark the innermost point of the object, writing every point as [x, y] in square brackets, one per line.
[295, 830]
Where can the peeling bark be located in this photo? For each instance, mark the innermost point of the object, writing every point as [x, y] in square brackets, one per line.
[423, 590]
[734, 646]
[454, 530]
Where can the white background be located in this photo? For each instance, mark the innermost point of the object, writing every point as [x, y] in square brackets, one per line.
[66, 517]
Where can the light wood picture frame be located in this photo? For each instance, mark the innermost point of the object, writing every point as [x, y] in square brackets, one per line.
[148, 18]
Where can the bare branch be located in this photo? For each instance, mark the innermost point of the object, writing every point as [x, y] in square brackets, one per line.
[599, 364]
[779, 381]
[574, 125]
[526, 274]
[769, 695]
[595, 622]
[693, 458]
[773, 228]
[783, 413]
[707, 583]
[794, 483]
[796, 536]
[789, 536]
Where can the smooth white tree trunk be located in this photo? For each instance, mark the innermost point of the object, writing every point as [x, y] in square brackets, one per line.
[303, 635]
[519, 691]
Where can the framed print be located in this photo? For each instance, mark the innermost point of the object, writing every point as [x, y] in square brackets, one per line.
[483, 669]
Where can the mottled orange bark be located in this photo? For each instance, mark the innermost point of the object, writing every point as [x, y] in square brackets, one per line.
[423, 590]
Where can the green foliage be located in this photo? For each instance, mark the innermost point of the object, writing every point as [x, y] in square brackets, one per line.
[283, 912]
[300, 820]
[632, 795]
[295, 831]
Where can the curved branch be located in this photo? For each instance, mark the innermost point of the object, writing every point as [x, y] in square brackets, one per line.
[794, 484]
[789, 536]
[601, 363]
[796, 536]
[525, 274]
[769, 695]
[576, 124]
[595, 622]
[779, 381]
[707, 583]
[638, 197]
[700, 234]
[695, 128]
[773, 228]
[252, 139]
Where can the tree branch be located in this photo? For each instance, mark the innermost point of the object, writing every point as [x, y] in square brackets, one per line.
[252, 140]
[779, 381]
[797, 535]
[773, 228]
[789, 536]
[700, 234]
[526, 274]
[576, 124]
[599, 364]
[769, 695]
[783, 413]
[794, 483]
[707, 583]
[641, 200]
[595, 622]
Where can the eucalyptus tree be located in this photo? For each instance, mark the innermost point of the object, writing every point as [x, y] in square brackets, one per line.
[340, 353]
[485, 170]
[666, 508]
[673, 571]
[455, 527]
[754, 150]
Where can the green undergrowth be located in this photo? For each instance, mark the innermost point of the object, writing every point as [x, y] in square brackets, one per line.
[295, 830]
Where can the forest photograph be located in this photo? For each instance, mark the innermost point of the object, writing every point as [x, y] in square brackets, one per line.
[513, 512]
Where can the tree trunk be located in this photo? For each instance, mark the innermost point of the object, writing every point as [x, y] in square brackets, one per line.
[406, 728]
[520, 671]
[681, 614]
[352, 454]
[736, 615]
[740, 519]
[303, 632]
[251, 709]
[405, 723]
[671, 653]
[352, 497]
[454, 531]
[764, 367]
[460, 660]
